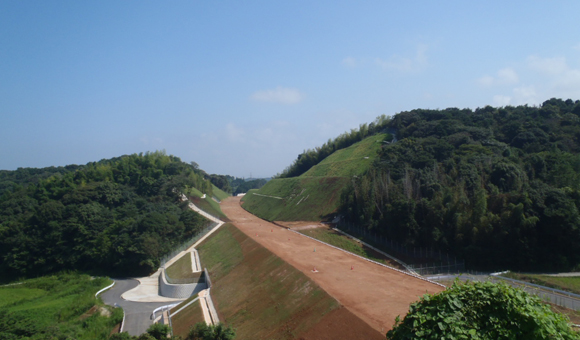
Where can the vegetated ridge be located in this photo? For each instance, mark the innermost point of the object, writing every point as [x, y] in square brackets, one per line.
[499, 187]
[315, 194]
[119, 215]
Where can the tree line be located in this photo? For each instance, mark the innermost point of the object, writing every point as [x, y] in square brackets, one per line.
[499, 187]
[116, 216]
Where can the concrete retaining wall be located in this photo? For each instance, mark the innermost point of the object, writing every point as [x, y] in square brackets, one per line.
[182, 291]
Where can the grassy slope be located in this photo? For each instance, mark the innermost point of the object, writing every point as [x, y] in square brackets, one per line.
[54, 306]
[569, 284]
[220, 194]
[314, 195]
[181, 269]
[206, 204]
[256, 292]
[349, 161]
[188, 317]
[304, 198]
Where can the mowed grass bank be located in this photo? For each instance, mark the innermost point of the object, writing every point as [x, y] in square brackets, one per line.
[60, 306]
[219, 193]
[206, 204]
[351, 161]
[315, 195]
[296, 199]
[262, 296]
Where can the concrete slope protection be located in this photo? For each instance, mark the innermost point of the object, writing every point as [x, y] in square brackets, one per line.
[373, 293]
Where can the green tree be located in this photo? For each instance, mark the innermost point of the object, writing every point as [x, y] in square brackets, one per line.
[481, 310]
[203, 331]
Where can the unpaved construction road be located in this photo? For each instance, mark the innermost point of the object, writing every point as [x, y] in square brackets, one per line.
[374, 293]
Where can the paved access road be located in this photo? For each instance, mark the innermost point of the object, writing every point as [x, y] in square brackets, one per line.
[137, 314]
[374, 293]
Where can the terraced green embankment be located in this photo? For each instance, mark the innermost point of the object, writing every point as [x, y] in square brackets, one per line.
[207, 203]
[219, 194]
[262, 296]
[314, 195]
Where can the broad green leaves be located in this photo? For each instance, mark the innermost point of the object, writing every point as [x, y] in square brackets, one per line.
[481, 310]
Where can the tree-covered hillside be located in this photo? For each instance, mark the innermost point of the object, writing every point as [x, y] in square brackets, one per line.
[497, 186]
[117, 216]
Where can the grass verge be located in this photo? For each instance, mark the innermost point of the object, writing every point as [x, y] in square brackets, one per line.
[181, 269]
[569, 284]
[60, 306]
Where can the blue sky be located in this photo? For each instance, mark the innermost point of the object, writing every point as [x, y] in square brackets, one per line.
[243, 87]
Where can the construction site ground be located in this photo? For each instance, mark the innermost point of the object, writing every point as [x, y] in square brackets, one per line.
[372, 292]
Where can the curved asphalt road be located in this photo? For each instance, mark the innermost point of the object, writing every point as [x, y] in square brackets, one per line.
[137, 314]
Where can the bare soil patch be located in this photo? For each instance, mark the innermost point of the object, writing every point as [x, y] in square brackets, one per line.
[341, 324]
[300, 225]
[371, 292]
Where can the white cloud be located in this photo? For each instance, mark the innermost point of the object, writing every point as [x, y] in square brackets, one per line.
[349, 62]
[507, 76]
[405, 64]
[526, 95]
[280, 95]
[486, 80]
[560, 80]
[500, 100]
[548, 66]
[234, 133]
[504, 76]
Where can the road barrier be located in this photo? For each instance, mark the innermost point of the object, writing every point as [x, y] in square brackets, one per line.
[556, 296]
[102, 290]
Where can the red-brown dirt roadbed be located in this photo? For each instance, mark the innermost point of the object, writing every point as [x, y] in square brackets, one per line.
[373, 293]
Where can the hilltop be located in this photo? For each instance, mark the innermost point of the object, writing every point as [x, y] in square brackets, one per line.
[499, 187]
[118, 215]
[315, 194]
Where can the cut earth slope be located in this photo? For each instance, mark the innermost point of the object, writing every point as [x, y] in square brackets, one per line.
[373, 293]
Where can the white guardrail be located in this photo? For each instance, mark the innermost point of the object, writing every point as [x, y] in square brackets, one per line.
[102, 290]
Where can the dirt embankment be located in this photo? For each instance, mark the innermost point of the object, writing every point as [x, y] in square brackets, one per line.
[371, 292]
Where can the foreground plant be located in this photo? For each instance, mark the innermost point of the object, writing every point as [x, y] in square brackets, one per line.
[481, 310]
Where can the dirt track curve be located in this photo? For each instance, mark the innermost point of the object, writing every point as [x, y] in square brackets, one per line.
[374, 293]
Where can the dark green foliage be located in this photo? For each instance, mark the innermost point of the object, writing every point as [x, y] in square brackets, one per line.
[116, 216]
[499, 187]
[202, 331]
[221, 182]
[481, 310]
[159, 331]
[241, 185]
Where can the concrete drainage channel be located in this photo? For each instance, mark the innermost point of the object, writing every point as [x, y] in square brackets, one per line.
[184, 288]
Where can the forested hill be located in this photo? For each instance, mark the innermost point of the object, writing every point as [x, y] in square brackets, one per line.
[116, 216]
[497, 186]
